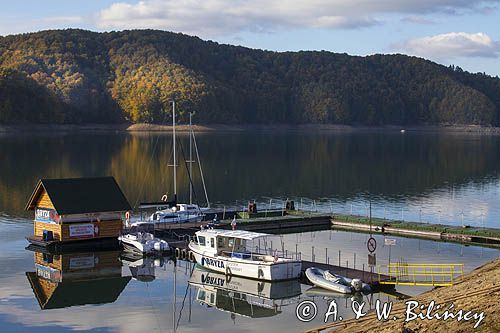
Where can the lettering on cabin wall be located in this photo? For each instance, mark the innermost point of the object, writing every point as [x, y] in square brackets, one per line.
[48, 273]
[46, 215]
[212, 262]
[82, 262]
[214, 281]
[80, 230]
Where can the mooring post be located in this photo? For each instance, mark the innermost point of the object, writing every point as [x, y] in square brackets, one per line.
[346, 267]
[224, 213]
[296, 254]
[363, 272]
[326, 255]
[354, 260]
[312, 254]
[339, 258]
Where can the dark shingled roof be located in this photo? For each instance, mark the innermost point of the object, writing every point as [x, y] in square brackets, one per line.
[82, 195]
[74, 293]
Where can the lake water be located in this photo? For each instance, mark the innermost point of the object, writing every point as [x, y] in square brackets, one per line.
[433, 177]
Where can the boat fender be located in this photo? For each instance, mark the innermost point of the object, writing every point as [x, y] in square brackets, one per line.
[260, 273]
[191, 256]
[183, 252]
[177, 252]
[228, 271]
[275, 256]
[127, 216]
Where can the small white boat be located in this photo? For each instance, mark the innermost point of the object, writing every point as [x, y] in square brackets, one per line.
[325, 279]
[143, 242]
[231, 252]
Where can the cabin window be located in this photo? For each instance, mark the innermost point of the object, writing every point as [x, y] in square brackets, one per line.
[212, 242]
[201, 240]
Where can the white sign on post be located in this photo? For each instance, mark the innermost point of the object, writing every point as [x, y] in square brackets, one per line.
[390, 241]
[79, 230]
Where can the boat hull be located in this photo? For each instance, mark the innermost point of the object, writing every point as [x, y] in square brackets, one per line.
[268, 271]
[315, 277]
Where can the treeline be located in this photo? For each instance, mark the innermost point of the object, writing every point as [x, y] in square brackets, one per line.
[77, 76]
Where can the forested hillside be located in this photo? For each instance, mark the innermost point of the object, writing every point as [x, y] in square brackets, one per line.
[77, 76]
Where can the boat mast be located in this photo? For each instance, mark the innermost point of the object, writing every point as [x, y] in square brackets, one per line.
[190, 158]
[175, 157]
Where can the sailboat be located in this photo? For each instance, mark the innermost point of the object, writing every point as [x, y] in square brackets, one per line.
[172, 211]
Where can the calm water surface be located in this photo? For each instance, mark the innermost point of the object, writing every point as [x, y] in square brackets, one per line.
[430, 177]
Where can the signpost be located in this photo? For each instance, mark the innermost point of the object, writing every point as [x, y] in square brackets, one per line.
[390, 242]
[371, 244]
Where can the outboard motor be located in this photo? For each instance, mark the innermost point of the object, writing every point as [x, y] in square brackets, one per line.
[356, 284]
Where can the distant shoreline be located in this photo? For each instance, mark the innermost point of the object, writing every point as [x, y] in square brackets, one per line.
[28, 128]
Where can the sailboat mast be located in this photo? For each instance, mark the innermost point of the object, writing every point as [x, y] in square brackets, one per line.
[190, 158]
[175, 156]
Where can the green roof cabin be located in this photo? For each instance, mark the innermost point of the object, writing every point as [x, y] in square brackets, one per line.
[77, 211]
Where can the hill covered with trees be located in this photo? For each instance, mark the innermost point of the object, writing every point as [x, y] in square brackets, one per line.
[78, 76]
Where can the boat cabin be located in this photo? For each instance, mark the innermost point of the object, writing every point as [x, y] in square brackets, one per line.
[232, 243]
[76, 209]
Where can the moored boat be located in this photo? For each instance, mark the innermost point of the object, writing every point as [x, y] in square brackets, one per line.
[143, 242]
[230, 252]
[327, 280]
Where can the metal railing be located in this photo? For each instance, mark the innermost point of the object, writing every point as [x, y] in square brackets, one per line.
[421, 274]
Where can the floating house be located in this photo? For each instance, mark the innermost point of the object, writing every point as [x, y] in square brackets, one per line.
[64, 280]
[74, 210]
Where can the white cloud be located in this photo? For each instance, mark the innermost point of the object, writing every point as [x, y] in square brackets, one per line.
[219, 17]
[452, 45]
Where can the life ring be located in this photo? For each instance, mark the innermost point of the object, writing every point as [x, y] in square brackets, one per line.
[164, 197]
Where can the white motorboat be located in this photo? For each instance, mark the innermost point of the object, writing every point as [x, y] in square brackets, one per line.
[226, 251]
[325, 279]
[143, 242]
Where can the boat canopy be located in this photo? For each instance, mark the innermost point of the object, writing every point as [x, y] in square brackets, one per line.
[241, 234]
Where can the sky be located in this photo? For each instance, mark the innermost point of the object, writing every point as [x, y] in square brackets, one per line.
[465, 33]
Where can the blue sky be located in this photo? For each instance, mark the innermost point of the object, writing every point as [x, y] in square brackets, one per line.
[461, 32]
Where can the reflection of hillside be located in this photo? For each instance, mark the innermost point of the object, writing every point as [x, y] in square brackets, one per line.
[65, 280]
[252, 164]
[29, 158]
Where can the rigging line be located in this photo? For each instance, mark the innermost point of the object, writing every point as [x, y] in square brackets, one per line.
[201, 170]
[148, 167]
[185, 294]
[189, 174]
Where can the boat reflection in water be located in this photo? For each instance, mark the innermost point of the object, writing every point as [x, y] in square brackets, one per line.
[71, 279]
[143, 268]
[241, 296]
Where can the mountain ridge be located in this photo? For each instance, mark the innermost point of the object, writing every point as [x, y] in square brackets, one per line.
[79, 76]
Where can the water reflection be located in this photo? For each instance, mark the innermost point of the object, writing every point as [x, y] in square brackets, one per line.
[65, 280]
[243, 297]
[443, 175]
[142, 268]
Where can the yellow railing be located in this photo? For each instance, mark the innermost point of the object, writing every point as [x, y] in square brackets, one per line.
[402, 273]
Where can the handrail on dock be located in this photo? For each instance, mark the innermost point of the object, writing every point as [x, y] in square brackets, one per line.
[420, 274]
